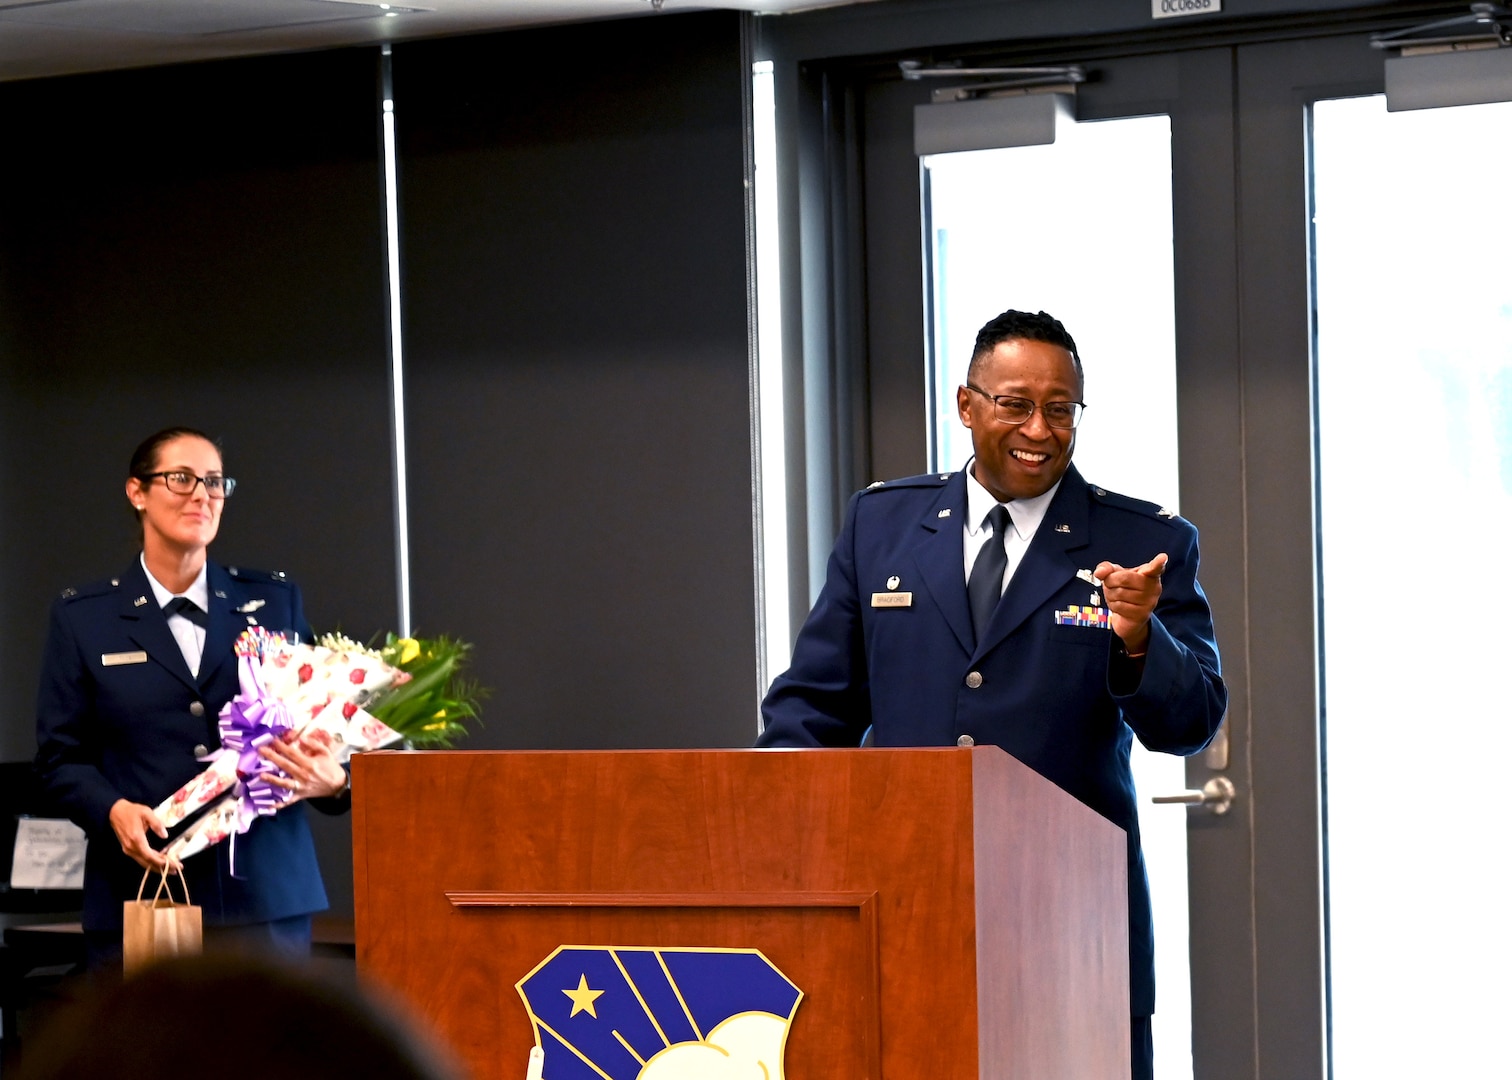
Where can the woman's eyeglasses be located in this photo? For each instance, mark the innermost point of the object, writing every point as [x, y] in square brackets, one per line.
[184, 483]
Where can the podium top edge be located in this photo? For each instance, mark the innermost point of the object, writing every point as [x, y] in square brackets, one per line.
[761, 750]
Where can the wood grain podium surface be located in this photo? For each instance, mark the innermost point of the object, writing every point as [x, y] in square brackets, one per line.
[947, 913]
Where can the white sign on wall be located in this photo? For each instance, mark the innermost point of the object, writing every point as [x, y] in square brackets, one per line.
[1171, 9]
[49, 854]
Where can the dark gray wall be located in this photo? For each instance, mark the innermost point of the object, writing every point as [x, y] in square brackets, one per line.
[197, 245]
[204, 245]
[575, 288]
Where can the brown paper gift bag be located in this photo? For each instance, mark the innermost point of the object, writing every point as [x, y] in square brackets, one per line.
[159, 928]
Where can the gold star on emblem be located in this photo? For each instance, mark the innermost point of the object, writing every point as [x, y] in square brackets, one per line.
[583, 998]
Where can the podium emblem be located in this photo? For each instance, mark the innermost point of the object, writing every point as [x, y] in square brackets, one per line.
[633, 1013]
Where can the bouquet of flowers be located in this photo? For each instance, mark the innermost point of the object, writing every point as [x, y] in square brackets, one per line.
[356, 698]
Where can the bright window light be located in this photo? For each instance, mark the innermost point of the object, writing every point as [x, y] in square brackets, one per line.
[396, 350]
[1414, 384]
[774, 649]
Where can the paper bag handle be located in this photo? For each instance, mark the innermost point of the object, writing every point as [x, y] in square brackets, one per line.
[163, 884]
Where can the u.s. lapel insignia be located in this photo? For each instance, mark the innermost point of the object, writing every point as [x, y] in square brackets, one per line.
[139, 601]
[945, 513]
[607, 1011]
[1063, 528]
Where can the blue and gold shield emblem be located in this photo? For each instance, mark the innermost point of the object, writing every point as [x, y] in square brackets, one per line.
[610, 1013]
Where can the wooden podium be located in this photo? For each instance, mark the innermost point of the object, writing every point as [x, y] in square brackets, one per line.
[947, 913]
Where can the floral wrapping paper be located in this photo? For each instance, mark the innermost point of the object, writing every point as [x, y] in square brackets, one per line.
[286, 691]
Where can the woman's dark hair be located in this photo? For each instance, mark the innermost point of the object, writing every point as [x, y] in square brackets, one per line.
[144, 458]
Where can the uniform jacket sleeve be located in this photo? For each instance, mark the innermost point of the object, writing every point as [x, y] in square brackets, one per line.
[67, 736]
[1177, 701]
[824, 698]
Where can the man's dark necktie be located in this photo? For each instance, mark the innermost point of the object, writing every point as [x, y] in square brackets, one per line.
[985, 586]
[182, 605]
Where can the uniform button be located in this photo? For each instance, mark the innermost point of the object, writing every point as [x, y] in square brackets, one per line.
[200, 750]
[974, 680]
[965, 740]
[196, 708]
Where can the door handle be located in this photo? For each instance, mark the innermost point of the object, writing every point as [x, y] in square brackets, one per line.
[1217, 795]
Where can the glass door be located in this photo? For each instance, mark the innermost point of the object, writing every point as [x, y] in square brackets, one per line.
[1299, 476]
[1414, 377]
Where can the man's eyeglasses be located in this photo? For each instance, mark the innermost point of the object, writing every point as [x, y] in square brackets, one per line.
[1017, 410]
[184, 483]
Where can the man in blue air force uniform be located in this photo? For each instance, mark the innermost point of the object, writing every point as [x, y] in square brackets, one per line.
[1013, 604]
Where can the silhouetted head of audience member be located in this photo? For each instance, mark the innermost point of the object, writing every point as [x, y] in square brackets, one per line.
[234, 1018]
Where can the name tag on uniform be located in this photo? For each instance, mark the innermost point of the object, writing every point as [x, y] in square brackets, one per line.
[112, 659]
[892, 599]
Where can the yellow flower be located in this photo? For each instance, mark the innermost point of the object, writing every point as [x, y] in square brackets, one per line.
[408, 648]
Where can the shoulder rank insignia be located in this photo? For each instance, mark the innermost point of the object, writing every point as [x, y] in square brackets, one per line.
[1165, 513]
[626, 1013]
[875, 484]
[261, 576]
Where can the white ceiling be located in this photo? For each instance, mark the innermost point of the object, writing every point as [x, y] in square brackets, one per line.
[58, 37]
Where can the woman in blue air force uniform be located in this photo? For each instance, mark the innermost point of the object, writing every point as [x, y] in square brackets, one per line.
[132, 685]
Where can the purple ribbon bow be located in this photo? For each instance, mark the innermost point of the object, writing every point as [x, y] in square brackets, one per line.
[252, 719]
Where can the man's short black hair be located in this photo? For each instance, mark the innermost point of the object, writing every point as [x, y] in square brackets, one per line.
[1020, 325]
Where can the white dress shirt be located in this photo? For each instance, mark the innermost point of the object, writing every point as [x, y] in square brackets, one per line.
[190, 638]
[1024, 514]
